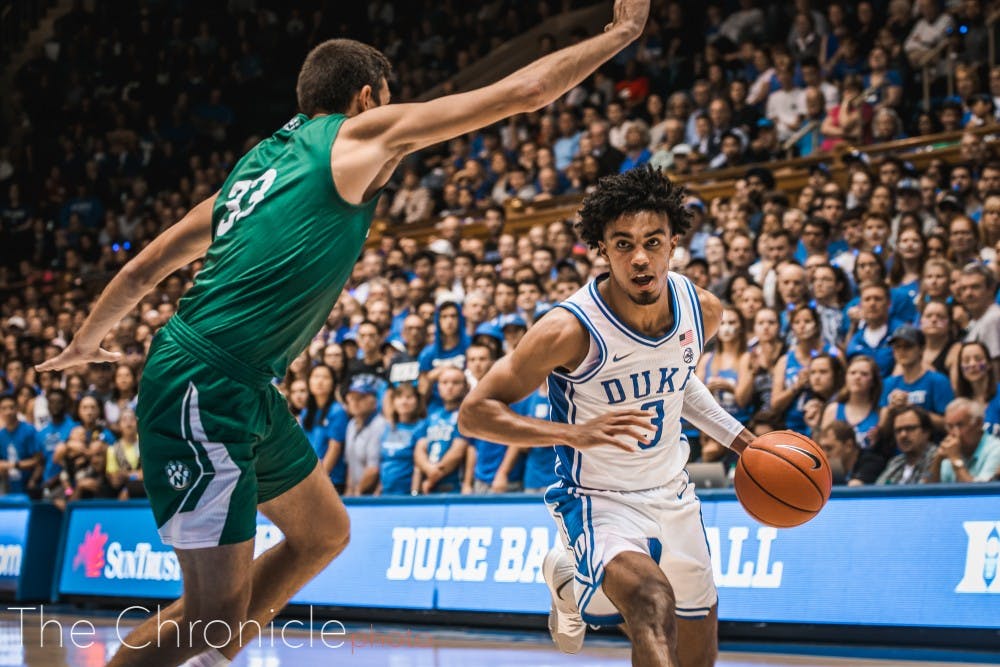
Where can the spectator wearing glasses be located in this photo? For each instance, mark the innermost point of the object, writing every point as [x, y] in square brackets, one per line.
[911, 429]
[966, 454]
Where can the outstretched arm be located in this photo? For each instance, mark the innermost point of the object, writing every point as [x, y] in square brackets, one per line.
[177, 247]
[383, 135]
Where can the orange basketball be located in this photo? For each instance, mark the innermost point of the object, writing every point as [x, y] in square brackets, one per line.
[783, 479]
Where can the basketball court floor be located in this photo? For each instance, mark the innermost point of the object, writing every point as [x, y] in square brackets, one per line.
[95, 639]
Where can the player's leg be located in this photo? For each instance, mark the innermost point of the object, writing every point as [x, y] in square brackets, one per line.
[296, 494]
[316, 528]
[640, 591]
[217, 591]
[560, 566]
[697, 639]
[686, 562]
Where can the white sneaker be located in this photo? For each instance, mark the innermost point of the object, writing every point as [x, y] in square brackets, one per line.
[565, 623]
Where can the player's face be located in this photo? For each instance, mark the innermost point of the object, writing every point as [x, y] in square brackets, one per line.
[638, 248]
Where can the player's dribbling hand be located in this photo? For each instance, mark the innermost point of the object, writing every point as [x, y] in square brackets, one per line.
[624, 429]
[631, 15]
[73, 355]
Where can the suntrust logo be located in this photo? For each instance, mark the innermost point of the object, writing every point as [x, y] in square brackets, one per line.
[982, 557]
[113, 561]
[90, 553]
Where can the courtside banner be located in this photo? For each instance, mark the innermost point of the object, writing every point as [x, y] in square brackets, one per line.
[13, 544]
[914, 557]
[29, 544]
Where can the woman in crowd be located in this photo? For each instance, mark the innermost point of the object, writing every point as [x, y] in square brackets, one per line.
[826, 376]
[298, 396]
[974, 377]
[404, 410]
[904, 274]
[325, 422]
[791, 374]
[858, 401]
[830, 292]
[765, 349]
[938, 326]
[935, 281]
[123, 396]
[123, 468]
[726, 370]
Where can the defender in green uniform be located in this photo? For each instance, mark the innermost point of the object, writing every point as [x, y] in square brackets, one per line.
[219, 432]
[279, 239]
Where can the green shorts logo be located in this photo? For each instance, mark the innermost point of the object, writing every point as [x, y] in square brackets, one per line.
[178, 474]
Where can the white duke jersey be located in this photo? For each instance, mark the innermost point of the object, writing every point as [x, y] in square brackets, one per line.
[625, 370]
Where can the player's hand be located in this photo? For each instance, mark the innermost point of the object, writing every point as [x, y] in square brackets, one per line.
[622, 429]
[74, 355]
[630, 15]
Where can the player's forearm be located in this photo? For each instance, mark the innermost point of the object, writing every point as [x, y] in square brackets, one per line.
[705, 414]
[493, 420]
[559, 72]
[118, 299]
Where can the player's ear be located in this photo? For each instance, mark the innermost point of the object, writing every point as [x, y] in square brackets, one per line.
[363, 101]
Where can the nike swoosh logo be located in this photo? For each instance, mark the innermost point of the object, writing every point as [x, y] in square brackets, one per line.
[616, 358]
[812, 457]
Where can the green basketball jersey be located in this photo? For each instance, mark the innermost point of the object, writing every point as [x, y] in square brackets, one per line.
[284, 242]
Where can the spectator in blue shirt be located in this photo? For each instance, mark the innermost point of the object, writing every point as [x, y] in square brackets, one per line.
[447, 350]
[872, 337]
[325, 422]
[440, 450]
[484, 458]
[914, 385]
[51, 437]
[18, 447]
[404, 411]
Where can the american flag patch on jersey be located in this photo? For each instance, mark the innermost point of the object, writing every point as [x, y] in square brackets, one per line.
[687, 337]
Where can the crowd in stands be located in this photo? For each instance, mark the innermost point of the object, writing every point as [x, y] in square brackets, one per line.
[861, 310]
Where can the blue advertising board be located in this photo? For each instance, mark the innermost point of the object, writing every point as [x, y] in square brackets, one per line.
[870, 558]
[29, 535]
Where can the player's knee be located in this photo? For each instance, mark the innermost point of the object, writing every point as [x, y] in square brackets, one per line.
[327, 542]
[215, 624]
[651, 604]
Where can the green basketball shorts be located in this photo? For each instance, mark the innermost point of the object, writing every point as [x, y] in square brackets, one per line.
[216, 439]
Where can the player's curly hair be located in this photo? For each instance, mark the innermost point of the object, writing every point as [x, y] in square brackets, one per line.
[640, 189]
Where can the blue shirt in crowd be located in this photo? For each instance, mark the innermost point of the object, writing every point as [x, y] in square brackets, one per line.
[931, 391]
[396, 467]
[441, 430]
[18, 445]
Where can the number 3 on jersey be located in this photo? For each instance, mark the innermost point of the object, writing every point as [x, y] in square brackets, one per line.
[256, 188]
[656, 421]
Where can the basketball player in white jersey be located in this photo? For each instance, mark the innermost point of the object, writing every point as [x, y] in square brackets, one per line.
[619, 357]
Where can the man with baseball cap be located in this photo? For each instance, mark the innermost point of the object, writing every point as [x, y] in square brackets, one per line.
[915, 385]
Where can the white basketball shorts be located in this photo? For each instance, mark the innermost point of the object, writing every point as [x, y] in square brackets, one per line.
[664, 523]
